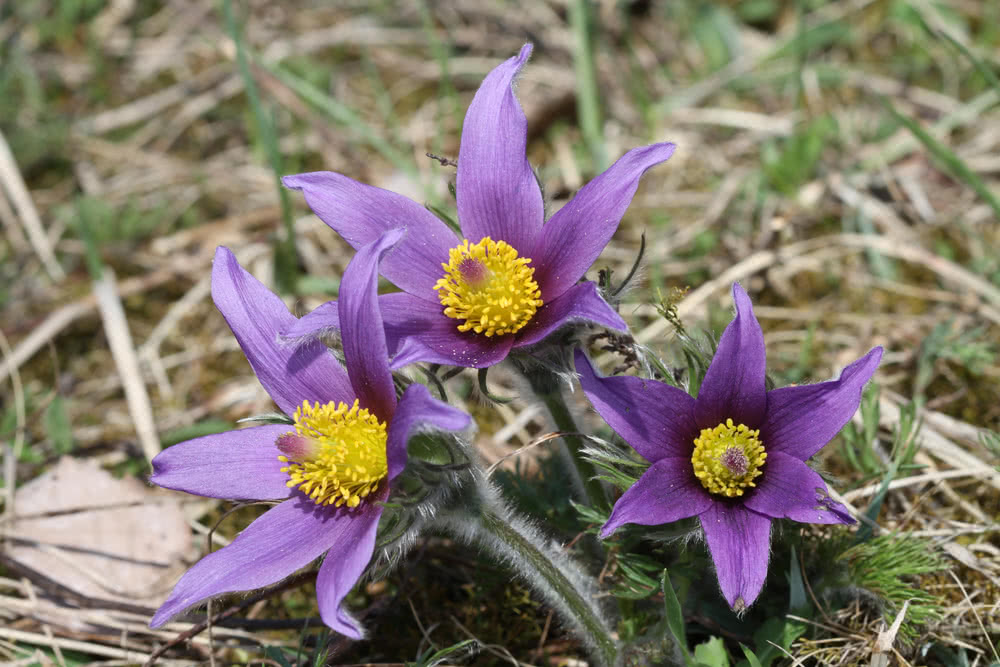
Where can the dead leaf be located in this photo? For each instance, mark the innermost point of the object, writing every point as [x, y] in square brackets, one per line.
[100, 536]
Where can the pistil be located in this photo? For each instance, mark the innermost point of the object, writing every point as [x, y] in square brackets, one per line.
[490, 287]
[727, 458]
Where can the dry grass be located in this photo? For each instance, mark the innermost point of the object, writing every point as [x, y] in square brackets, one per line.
[136, 121]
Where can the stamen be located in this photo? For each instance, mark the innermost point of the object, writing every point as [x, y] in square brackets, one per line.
[336, 455]
[727, 458]
[490, 287]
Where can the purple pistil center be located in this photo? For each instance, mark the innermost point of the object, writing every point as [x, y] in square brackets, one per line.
[473, 270]
[736, 461]
[295, 446]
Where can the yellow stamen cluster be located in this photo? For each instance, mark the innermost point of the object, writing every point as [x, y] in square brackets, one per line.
[728, 458]
[490, 287]
[347, 458]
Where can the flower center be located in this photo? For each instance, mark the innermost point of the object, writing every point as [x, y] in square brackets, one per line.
[336, 455]
[489, 286]
[727, 458]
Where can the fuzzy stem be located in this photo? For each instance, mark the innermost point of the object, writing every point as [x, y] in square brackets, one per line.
[546, 387]
[481, 517]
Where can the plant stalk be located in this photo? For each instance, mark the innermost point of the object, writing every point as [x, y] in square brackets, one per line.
[481, 517]
[546, 387]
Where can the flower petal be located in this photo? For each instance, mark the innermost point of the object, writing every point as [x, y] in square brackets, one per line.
[498, 195]
[657, 420]
[344, 564]
[789, 489]
[361, 213]
[362, 332]
[324, 320]
[734, 383]
[287, 537]
[419, 410]
[580, 302]
[238, 465]
[576, 234]
[667, 491]
[800, 420]
[425, 334]
[739, 541]
[257, 316]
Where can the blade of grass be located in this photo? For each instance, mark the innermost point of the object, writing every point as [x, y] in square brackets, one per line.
[981, 67]
[383, 99]
[343, 115]
[947, 158]
[447, 96]
[587, 98]
[285, 254]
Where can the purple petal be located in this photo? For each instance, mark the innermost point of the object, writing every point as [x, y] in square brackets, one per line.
[418, 410]
[580, 302]
[657, 420]
[577, 233]
[324, 320]
[789, 489]
[362, 333]
[425, 334]
[285, 538]
[498, 195]
[739, 541]
[343, 566]
[734, 383]
[361, 213]
[800, 420]
[238, 465]
[667, 491]
[256, 315]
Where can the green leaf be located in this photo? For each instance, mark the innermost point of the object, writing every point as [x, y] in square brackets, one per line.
[793, 164]
[798, 603]
[716, 32]
[57, 425]
[750, 656]
[775, 631]
[675, 617]
[456, 653]
[712, 653]
[196, 430]
[278, 655]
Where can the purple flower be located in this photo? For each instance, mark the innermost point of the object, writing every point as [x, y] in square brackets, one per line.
[331, 469]
[735, 456]
[511, 280]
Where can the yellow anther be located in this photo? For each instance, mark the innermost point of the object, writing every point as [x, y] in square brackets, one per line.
[339, 453]
[728, 458]
[488, 286]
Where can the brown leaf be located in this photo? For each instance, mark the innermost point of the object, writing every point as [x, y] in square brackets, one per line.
[100, 536]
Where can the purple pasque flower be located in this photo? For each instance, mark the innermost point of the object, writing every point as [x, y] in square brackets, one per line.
[330, 470]
[511, 280]
[735, 455]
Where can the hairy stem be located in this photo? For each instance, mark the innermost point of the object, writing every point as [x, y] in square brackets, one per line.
[481, 517]
[547, 388]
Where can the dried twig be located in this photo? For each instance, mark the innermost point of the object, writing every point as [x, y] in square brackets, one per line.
[10, 179]
[120, 339]
[291, 582]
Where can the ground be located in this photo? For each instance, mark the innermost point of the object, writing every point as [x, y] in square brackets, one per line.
[838, 159]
